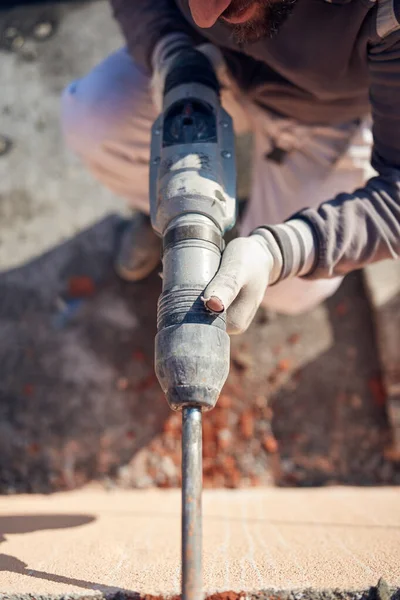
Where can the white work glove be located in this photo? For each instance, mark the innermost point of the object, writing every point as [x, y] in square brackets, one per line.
[164, 55]
[250, 264]
[247, 268]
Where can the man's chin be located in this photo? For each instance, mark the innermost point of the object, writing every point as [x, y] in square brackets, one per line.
[252, 30]
[247, 33]
[267, 23]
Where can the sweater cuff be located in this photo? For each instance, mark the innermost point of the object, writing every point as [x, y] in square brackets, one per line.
[295, 242]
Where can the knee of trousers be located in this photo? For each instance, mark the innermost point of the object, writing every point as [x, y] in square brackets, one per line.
[104, 107]
[84, 124]
[297, 296]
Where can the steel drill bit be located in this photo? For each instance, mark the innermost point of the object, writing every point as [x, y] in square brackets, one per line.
[192, 483]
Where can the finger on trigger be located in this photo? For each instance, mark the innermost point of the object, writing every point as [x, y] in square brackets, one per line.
[214, 304]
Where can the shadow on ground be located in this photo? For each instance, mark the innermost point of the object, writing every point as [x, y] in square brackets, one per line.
[79, 399]
[337, 431]
[20, 524]
[65, 356]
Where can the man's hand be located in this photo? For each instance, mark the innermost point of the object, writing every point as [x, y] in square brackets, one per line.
[248, 266]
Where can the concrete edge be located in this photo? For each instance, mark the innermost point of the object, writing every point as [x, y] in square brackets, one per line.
[379, 592]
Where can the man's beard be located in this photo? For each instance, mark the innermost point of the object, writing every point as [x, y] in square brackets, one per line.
[267, 22]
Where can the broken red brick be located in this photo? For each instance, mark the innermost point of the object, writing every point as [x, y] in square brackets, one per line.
[210, 450]
[33, 449]
[378, 391]
[234, 478]
[208, 430]
[176, 458]
[270, 444]
[284, 365]
[225, 401]
[342, 309]
[219, 418]
[261, 402]
[173, 424]
[28, 389]
[392, 454]
[122, 384]
[138, 356]
[267, 413]
[247, 424]
[228, 462]
[81, 287]
[226, 596]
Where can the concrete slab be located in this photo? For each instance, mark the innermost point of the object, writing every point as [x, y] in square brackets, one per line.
[383, 288]
[91, 541]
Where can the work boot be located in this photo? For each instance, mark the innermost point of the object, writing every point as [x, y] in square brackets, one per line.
[139, 251]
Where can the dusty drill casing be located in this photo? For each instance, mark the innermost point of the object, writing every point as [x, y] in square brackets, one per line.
[192, 192]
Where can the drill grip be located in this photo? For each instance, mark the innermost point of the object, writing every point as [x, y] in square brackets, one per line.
[191, 257]
[191, 66]
[192, 346]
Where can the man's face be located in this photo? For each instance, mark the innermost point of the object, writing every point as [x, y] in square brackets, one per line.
[250, 20]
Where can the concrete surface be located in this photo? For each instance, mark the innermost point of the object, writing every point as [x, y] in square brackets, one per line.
[45, 195]
[91, 541]
[383, 288]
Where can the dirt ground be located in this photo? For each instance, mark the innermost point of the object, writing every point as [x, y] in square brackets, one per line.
[285, 423]
[304, 403]
[303, 406]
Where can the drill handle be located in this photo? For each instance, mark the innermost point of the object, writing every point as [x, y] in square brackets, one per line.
[191, 66]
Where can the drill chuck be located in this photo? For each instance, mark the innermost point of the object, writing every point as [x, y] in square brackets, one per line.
[192, 346]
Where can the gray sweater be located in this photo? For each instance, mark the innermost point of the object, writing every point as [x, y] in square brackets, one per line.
[331, 62]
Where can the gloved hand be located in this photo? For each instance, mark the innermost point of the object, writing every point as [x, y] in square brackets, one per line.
[250, 264]
[164, 55]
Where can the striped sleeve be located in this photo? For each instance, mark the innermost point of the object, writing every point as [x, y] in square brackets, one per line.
[353, 230]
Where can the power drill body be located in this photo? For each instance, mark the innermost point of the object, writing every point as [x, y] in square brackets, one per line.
[192, 194]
